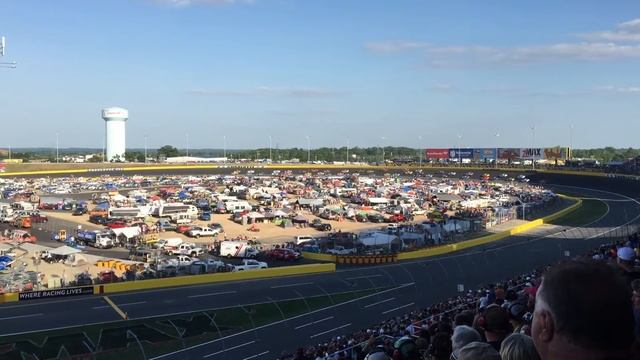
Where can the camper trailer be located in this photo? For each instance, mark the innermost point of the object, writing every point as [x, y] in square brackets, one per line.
[239, 249]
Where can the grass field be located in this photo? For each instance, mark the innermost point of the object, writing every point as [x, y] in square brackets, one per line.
[160, 335]
[590, 211]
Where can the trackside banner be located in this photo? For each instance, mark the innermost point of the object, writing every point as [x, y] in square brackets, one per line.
[45, 294]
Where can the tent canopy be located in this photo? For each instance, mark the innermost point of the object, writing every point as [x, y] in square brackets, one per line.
[64, 250]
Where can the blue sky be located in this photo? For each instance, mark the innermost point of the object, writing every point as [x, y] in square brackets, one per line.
[332, 70]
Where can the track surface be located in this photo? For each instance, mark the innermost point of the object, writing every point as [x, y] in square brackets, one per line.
[408, 285]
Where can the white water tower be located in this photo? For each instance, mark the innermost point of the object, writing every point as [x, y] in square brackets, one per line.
[115, 119]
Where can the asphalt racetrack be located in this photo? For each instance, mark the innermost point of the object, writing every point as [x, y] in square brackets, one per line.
[404, 286]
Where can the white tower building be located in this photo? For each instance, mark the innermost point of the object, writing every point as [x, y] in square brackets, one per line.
[115, 119]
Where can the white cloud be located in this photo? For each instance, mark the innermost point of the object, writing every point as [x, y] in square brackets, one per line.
[601, 46]
[186, 3]
[394, 46]
[298, 92]
[620, 89]
[628, 31]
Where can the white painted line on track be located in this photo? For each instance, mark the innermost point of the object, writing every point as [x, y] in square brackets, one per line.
[397, 308]
[229, 349]
[363, 277]
[212, 294]
[379, 302]
[273, 323]
[119, 305]
[313, 322]
[328, 331]
[290, 285]
[256, 355]
[21, 316]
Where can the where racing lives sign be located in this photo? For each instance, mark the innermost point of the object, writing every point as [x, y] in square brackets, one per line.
[44, 294]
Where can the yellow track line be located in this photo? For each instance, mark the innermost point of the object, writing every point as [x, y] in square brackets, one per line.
[116, 308]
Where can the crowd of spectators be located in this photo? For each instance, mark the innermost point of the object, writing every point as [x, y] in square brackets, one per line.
[585, 308]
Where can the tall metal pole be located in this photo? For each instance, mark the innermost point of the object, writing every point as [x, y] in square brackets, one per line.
[145, 149]
[570, 140]
[496, 159]
[187, 144]
[224, 147]
[9, 152]
[383, 144]
[308, 149]
[533, 145]
[270, 158]
[459, 152]
[420, 148]
[57, 149]
[348, 150]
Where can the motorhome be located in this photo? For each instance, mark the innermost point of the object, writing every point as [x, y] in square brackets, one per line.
[238, 249]
[124, 213]
[23, 205]
[234, 206]
[167, 210]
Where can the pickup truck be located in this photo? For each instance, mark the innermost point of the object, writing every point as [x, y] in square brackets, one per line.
[166, 225]
[341, 250]
[198, 231]
[249, 264]
[187, 249]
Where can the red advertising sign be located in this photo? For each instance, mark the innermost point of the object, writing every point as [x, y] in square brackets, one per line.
[2, 166]
[437, 153]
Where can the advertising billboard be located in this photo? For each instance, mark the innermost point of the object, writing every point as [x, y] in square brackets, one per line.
[484, 154]
[508, 153]
[532, 153]
[556, 153]
[437, 153]
[461, 153]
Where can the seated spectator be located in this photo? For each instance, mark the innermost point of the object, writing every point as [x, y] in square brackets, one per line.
[583, 311]
[462, 336]
[626, 261]
[376, 350]
[478, 351]
[635, 287]
[518, 347]
[496, 325]
[440, 347]
[464, 318]
[405, 349]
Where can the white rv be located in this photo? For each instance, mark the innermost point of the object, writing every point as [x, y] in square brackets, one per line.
[172, 209]
[238, 249]
[235, 206]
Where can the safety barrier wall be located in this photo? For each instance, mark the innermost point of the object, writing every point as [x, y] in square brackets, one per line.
[561, 213]
[318, 256]
[213, 278]
[8, 297]
[366, 259]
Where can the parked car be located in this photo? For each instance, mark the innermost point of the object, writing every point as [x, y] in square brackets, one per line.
[79, 211]
[284, 254]
[116, 224]
[341, 250]
[183, 228]
[205, 216]
[320, 226]
[198, 231]
[375, 218]
[39, 218]
[97, 219]
[250, 264]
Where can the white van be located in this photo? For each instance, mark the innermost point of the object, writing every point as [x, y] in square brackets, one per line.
[303, 239]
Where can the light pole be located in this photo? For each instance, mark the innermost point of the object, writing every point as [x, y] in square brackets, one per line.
[308, 149]
[270, 158]
[496, 159]
[11, 65]
[348, 144]
[533, 145]
[459, 153]
[187, 136]
[57, 149]
[420, 148]
[145, 149]
[224, 147]
[382, 138]
[570, 141]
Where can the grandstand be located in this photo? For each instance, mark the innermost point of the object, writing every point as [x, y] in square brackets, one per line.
[494, 313]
